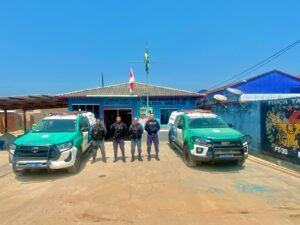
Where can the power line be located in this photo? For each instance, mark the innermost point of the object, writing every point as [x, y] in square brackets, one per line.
[260, 64]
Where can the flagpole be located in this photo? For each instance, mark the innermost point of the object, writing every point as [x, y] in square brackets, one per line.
[147, 113]
[146, 60]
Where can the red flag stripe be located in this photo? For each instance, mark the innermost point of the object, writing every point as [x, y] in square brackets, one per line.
[131, 81]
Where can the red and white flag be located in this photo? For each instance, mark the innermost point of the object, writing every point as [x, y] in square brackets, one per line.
[131, 81]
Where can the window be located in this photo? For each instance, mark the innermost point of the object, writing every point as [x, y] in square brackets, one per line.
[84, 123]
[206, 122]
[55, 125]
[165, 114]
[177, 120]
[89, 108]
[181, 123]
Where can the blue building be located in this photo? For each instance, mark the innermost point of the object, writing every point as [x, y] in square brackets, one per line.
[109, 101]
[266, 108]
[272, 82]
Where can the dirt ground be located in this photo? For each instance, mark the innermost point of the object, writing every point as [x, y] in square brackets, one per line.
[156, 192]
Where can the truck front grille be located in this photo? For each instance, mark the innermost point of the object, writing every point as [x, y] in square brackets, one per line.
[228, 147]
[36, 152]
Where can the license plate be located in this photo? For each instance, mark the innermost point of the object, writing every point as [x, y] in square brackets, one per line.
[34, 164]
[226, 156]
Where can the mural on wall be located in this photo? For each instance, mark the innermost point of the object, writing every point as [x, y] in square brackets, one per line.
[281, 127]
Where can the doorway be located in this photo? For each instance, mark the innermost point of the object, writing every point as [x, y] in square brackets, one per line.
[165, 115]
[110, 117]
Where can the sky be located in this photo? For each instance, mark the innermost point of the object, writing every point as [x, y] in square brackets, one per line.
[52, 47]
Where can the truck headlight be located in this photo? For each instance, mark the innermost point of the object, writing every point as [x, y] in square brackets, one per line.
[201, 141]
[245, 140]
[12, 148]
[64, 146]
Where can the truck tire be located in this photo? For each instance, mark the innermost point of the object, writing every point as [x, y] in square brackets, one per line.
[18, 172]
[187, 157]
[240, 162]
[77, 165]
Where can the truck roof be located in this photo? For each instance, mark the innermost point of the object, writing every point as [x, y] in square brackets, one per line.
[201, 115]
[60, 117]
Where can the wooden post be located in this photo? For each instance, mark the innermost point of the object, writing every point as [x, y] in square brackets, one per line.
[24, 120]
[5, 121]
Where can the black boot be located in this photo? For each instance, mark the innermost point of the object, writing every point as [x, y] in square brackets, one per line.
[157, 158]
[132, 159]
[140, 158]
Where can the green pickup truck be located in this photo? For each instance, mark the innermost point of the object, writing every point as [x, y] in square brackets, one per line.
[57, 141]
[206, 137]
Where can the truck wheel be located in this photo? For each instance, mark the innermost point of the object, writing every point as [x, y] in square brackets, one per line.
[240, 162]
[188, 158]
[18, 172]
[77, 165]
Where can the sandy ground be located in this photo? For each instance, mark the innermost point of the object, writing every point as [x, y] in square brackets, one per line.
[156, 192]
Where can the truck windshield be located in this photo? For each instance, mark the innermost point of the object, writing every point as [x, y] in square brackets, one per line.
[206, 122]
[55, 126]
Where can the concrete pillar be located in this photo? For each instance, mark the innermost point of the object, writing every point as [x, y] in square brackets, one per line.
[5, 121]
[24, 120]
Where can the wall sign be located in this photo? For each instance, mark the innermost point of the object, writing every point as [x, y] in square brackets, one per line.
[143, 111]
[117, 101]
[168, 101]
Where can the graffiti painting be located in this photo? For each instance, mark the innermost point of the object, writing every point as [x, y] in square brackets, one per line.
[281, 128]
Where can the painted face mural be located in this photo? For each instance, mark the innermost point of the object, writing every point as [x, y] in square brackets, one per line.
[281, 127]
[287, 130]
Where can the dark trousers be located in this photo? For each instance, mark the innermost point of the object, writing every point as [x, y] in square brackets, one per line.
[138, 143]
[119, 142]
[98, 144]
[152, 139]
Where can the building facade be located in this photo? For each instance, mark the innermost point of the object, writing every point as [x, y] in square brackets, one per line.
[109, 101]
[267, 110]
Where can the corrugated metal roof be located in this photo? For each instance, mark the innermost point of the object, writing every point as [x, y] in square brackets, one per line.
[140, 89]
[32, 102]
[247, 80]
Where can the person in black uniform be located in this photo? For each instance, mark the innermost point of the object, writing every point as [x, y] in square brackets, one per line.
[136, 132]
[98, 132]
[152, 127]
[119, 130]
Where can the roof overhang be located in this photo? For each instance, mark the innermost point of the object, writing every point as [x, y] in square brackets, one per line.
[31, 102]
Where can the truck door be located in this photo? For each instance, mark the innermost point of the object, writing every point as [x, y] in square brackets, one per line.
[84, 126]
[179, 131]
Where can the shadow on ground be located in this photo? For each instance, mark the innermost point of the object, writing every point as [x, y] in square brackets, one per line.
[218, 167]
[43, 175]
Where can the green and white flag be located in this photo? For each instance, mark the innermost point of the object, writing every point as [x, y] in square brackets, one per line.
[146, 60]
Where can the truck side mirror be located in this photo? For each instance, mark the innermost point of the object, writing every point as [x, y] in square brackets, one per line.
[84, 129]
[179, 126]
